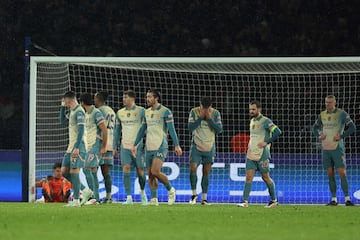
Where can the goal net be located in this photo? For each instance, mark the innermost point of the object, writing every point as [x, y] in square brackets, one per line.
[291, 90]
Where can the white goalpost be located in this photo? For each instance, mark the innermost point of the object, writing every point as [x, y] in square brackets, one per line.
[291, 90]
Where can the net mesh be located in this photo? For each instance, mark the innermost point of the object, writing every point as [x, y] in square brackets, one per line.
[292, 95]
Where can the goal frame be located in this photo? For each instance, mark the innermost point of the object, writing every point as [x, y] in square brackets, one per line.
[34, 60]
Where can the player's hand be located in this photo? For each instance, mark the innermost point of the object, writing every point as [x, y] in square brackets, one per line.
[133, 151]
[116, 154]
[322, 137]
[63, 104]
[262, 144]
[178, 151]
[202, 113]
[337, 138]
[102, 151]
[206, 113]
[75, 153]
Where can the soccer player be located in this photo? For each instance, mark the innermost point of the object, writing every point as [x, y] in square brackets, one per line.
[128, 122]
[55, 188]
[96, 142]
[106, 161]
[158, 122]
[329, 128]
[204, 123]
[75, 155]
[263, 132]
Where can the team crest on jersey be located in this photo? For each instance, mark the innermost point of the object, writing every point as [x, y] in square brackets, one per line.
[253, 126]
[152, 115]
[128, 115]
[329, 118]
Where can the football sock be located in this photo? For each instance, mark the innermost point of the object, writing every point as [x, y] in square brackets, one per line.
[332, 186]
[345, 186]
[193, 181]
[67, 176]
[108, 183]
[204, 197]
[153, 193]
[89, 178]
[168, 186]
[127, 183]
[272, 193]
[142, 181]
[75, 180]
[247, 190]
[96, 186]
[205, 184]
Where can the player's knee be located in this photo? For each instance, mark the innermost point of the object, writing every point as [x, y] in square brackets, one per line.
[126, 168]
[155, 172]
[193, 169]
[248, 178]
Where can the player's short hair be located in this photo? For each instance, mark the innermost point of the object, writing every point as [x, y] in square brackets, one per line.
[86, 98]
[70, 94]
[156, 93]
[56, 165]
[331, 96]
[102, 96]
[256, 103]
[130, 93]
[206, 102]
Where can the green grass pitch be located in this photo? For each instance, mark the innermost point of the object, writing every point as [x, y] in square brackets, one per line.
[53, 221]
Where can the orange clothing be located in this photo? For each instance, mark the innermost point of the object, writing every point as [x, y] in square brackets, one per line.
[56, 188]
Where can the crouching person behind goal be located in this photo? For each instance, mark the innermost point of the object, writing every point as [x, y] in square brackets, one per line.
[55, 188]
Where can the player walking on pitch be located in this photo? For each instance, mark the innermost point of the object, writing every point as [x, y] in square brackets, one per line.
[74, 158]
[329, 128]
[204, 123]
[96, 143]
[128, 122]
[262, 133]
[107, 160]
[158, 122]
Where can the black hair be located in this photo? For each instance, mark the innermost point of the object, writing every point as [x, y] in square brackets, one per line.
[56, 165]
[102, 96]
[86, 98]
[206, 102]
[156, 93]
[70, 94]
[256, 102]
[130, 93]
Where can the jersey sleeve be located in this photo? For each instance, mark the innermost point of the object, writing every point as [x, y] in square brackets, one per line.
[117, 131]
[99, 118]
[142, 116]
[215, 122]
[191, 118]
[169, 120]
[273, 129]
[346, 118]
[192, 123]
[80, 118]
[269, 125]
[317, 126]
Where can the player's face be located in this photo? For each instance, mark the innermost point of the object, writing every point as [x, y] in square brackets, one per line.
[68, 101]
[57, 172]
[150, 99]
[97, 102]
[330, 104]
[253, 110]
[127, 101]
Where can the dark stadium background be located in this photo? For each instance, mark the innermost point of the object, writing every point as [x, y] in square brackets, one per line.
[165, 28]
